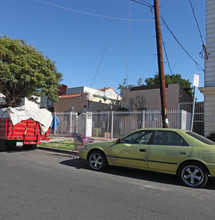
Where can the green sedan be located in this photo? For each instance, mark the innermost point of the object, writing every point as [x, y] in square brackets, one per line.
[188, 155]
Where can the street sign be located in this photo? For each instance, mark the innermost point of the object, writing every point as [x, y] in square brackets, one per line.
[195, 84]
[196, 80]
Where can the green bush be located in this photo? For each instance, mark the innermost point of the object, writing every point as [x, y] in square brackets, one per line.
[211, 136]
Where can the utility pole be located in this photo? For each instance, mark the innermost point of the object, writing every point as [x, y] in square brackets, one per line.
[160, 65]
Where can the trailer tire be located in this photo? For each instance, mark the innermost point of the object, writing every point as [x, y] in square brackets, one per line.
[33, 146]
[10, 145]
[29, 146]
[3, 145]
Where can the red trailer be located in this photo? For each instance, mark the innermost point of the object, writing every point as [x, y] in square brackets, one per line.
[26, 133]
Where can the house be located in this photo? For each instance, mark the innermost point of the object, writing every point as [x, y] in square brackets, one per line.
[82, 99]
[209, 79]
[42, 102]
[2, 101]
[25, 102]
[47, 103]
[148, 97]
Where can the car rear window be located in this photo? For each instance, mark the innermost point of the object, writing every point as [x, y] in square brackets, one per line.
[201, 138]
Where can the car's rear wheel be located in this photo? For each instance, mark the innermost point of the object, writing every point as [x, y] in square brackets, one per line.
[97, 160]
[193, 175]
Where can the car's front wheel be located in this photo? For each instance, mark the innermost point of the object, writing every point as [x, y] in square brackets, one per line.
[97, 160]
[193, 175]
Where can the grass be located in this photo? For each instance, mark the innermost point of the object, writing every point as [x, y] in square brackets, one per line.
[64, 145]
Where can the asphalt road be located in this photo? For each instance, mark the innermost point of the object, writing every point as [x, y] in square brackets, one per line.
[49, 185]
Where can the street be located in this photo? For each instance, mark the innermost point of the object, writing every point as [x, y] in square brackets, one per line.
[51, 185]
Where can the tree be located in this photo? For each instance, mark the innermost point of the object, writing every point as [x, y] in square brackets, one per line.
[26, 72]
[140, 82]
[170, 79]
[124, 85]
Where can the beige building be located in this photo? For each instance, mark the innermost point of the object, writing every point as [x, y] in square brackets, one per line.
[82, 99]
[209, 79]
[148, 97]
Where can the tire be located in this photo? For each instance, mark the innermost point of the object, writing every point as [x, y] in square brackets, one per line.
[193, 174]
[97, 160]
[29, 146]
[33, 147]
[3, 145]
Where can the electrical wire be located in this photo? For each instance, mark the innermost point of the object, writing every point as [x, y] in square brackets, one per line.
[91, 14]
[106, 45]
[204, 52]
[196, 22]
[198, 66]
[204, 47]
[128, 46]
[143, 3]
[165, 51]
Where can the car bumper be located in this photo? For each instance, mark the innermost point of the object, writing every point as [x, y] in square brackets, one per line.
[211, 168]
[83, 154]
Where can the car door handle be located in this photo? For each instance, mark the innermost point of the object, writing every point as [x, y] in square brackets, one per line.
[142, 150]
[183, 153]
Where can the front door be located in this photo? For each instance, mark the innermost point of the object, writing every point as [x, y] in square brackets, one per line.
[132, 150]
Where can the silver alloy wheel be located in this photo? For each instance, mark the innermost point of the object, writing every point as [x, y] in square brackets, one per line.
[192, 175]
[96, 161]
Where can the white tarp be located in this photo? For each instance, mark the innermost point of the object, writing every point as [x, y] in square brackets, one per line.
[18, 114]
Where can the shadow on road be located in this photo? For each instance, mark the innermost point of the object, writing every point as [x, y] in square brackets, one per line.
[133, 173]
[15, 149]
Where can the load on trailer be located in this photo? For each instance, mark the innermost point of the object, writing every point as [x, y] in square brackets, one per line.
[24, 126]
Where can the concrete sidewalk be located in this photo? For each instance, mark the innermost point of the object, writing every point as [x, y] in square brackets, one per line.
[71, 152]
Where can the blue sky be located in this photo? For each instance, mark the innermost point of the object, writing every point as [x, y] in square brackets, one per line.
[91, 48]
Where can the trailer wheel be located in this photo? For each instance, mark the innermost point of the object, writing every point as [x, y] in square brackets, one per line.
[33, 146]
[10, 145]
[3, 146]
[29, 146]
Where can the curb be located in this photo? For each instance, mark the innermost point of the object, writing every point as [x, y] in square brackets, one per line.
[58, 150]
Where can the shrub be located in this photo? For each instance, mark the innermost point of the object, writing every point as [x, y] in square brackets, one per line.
[211, 136]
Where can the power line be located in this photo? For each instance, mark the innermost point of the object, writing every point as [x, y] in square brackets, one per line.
[196, 21]
[106, 45]
[204, 46]
[165, 51]
[204, 52]
[198, 66]
[128, 45]
[143, 3]
[91, 14]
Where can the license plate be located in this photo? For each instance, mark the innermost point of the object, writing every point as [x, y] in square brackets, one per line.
[19, 144]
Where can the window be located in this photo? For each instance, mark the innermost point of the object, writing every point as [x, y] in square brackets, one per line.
[201, 138]
[169, 138]
[140, 137]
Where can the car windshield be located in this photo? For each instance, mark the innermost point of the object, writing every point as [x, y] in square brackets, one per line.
[201, 138]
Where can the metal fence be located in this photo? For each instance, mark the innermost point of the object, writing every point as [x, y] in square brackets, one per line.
[112, 124]
[198, 123]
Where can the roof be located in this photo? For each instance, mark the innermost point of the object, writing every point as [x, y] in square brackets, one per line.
[136, 88]
[62, 89]
[103, 89]
[71, 95]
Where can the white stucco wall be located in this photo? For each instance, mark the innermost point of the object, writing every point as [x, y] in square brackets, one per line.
[28, 103]
[209, 79]
[210, 43]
